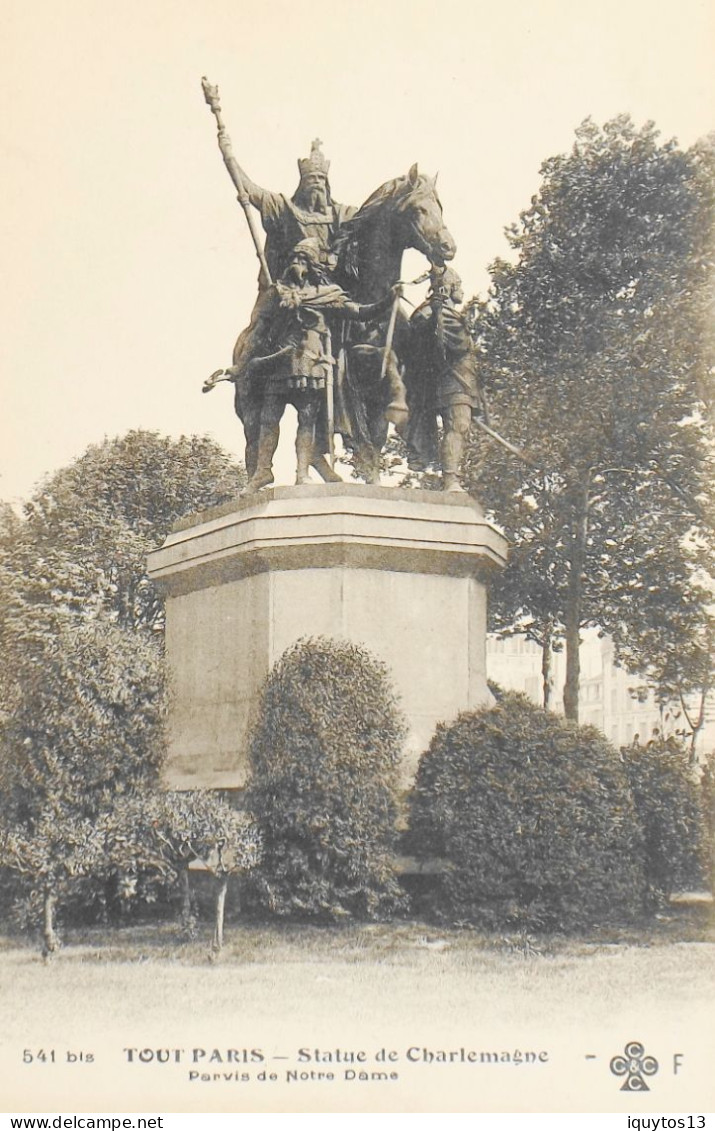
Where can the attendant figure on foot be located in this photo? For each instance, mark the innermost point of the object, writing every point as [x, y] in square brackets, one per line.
[443, 379]
[292, 326]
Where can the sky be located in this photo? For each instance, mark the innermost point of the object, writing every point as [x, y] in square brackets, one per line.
[129, 269]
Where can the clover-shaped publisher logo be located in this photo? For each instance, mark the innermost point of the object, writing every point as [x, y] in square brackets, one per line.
[635, 1066]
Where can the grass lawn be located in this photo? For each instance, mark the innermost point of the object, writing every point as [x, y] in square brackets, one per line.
[286, 986]
[671, 961]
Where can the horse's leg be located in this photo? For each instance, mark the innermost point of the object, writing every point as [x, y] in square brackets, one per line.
[378, 430]
[372, 469]
[367, 457]
[324, 469]
[247, 399]
[378, 424]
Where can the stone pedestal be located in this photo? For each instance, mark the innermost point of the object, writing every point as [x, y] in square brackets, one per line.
[401, 572]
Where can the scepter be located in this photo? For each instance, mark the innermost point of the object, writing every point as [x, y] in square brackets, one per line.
[224, 143]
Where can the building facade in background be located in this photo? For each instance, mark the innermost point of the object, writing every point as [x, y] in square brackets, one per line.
[611, 699]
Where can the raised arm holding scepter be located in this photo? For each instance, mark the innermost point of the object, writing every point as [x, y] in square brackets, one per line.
[309, 214]
[236, 173]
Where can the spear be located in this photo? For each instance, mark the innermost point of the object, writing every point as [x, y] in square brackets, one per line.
[224, 141]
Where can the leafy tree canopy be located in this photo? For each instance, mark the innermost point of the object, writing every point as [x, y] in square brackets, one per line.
[82, 681]
[598, 353]
[89, 526]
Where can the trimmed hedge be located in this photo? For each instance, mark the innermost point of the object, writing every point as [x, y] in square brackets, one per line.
[324, 757]
[534, 816]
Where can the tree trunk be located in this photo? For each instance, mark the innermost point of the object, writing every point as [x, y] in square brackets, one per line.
[547, 673]
[574, 600]
[695, 724]
[185, 881]
[112, 902]
[221, 890]
[50, 942]
[573, 663]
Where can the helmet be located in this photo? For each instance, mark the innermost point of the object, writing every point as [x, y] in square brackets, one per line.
[444, 279]
[309, 249]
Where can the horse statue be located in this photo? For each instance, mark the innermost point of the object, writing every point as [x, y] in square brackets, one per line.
[402, 213]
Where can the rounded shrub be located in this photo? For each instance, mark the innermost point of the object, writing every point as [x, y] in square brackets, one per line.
[669, 800]
[324, 757]
[533, 818]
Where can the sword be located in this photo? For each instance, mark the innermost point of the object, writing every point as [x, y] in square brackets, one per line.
[330, 409]
[494, 435]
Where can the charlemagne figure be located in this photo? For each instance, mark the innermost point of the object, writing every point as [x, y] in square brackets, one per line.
[443, 379]
[311, 213]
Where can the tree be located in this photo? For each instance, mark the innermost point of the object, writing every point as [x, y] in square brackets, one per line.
[89, 527]
[73, 590]
[9, 526]
[86, 727]
[666, 630]
[597, 363]
[51, 857]
[324, 756]
[88, 722]
[158, 834]
[80, 636]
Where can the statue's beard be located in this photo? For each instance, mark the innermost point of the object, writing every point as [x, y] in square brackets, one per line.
[315, 200]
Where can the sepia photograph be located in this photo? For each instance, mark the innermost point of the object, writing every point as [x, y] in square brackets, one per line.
[357, 591]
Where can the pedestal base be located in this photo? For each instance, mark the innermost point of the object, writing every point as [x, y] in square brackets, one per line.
[401, 572]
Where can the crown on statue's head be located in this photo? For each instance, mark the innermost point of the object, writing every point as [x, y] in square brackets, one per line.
[316, 163]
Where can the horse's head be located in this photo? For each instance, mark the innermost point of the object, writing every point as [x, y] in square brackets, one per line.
[419, 214]
[405, 212]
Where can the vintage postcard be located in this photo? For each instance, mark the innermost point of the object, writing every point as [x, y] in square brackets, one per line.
[135, 246]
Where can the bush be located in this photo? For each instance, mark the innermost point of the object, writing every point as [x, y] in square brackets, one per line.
[535, 817]
[669, 803]
[324, 755]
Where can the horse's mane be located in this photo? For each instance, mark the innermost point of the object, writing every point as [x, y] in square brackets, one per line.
[396, 190]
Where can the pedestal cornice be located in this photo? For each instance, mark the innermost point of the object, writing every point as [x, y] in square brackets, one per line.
[322, 526]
